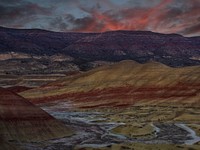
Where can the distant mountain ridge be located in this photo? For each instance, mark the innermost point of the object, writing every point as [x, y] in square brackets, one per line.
[171, 49]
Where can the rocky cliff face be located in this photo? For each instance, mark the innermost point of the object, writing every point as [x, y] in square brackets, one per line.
[172, 49]
[21, 121]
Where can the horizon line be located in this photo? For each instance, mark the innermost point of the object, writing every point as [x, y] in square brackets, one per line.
[90, 32]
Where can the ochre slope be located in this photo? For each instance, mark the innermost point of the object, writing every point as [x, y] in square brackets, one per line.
[123, 84]
[21, 121]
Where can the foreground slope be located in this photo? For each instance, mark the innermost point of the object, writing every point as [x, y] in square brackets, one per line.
[122, 84]
[21, 121]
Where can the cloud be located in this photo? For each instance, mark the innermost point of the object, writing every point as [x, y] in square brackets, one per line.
[192, 30]
[123, 19]
[58, 23]
[10, 2]
[165, 16]
[14, 12]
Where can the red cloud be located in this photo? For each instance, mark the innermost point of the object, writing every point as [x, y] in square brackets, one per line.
[161, 18]
[131, 19]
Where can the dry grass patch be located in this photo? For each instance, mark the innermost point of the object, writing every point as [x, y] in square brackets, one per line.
[134, 130]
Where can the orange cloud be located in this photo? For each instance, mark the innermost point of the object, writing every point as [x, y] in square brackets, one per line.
[160, 18]
[132, 19]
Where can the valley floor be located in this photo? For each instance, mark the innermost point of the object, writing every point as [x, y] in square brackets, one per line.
[137, 127]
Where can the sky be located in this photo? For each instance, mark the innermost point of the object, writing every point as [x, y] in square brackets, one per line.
[163, 16]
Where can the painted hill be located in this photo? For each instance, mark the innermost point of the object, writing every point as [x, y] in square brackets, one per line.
[5, 145]
[20, 120]
[125, 83]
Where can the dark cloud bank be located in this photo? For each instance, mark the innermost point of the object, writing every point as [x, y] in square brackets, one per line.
[165, 16]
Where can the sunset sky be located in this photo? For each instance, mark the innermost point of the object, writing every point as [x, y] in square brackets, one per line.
[164, 16]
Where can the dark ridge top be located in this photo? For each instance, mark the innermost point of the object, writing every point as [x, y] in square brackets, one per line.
[142, 46]
[135, 32]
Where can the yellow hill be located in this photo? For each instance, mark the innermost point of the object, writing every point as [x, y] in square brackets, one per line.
[128, 80]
